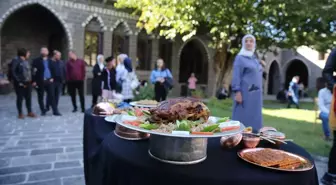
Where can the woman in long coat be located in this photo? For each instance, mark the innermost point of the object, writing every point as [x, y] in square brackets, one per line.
[96, 81]
[247, 85]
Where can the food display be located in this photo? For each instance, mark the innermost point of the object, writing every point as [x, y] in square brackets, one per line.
[105, 108]
[145, 103]
[275, 159]
[250, 141]
[181, 116]
[231, 141]
[275, 135]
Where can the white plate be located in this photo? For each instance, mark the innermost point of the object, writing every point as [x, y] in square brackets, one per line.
[121, 118]
[135, 104]
[111, 118]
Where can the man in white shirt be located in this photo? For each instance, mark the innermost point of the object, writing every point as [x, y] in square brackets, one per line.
[324, 101]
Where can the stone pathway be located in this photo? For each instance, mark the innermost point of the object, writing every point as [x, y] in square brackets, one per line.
[47, 150]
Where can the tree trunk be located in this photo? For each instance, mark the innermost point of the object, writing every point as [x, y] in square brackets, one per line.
[222, 67]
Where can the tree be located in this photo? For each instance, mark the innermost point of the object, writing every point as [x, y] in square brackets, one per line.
[275, 23]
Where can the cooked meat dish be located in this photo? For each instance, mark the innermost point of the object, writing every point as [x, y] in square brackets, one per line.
[179, 109]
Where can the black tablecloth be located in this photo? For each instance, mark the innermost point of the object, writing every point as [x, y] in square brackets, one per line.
[95, 131]
[121, 162]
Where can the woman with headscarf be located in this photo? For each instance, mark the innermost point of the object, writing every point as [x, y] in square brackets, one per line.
[96, 81]
[293, 92]
[121, 71]
[247, 85]
[108, 79]
[129, 81]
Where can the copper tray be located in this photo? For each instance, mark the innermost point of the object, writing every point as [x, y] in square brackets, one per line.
[129, 134]
[305, 167]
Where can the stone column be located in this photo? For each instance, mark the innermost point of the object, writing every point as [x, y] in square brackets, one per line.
[133, 39]
[107, 43]
[155, 51]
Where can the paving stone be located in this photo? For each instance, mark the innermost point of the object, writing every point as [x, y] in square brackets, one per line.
[65, 144]
[4, 163]
[12, 154]
[69, 156]
[36, 176]
[12, 179]
[32, 137]
[47, 151]
[38, 141]
[20, 169]
[23, 147]
[48, 182]
[74, 149]
[67, 164]
[29, 160]
[74, 180]
[71, 139]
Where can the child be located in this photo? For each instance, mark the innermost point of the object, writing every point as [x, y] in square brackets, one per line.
[191, 83]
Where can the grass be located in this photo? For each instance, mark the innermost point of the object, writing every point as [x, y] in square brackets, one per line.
[297, 124]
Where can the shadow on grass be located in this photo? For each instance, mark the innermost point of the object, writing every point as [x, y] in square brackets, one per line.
[304, 133]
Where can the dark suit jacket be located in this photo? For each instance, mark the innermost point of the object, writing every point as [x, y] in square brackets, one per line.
[38, 70]
[329, 69]
[96, 81]
[60, 74]
[112, 82]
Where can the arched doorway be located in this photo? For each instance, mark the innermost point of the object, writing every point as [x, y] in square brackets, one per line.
[274, 78]
[193, 59]
[32, 26]
[93, 43]
[297, 68]
[120, 40]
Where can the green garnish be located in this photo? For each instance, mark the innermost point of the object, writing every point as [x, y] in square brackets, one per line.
[183, 125]
[149, 126]
[130, 113]
[146, 112]
[221, 120]
[211, 128]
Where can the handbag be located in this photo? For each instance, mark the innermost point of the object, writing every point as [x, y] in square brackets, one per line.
[169, 82]
[134, 81]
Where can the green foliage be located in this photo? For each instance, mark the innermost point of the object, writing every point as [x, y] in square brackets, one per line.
[198, 94]
[145, 93]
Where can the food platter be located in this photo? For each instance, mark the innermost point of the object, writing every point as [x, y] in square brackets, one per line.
[299, 163]
[121, 118]
[143, 105]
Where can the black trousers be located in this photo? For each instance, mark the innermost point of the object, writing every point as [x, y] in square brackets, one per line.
[160, 92]
[332, 157]
[63, 88]
[291, 101]
[222, 97]
[57, 90]
[23, 93]
[47, 87]
[79, 86]
[94, 100]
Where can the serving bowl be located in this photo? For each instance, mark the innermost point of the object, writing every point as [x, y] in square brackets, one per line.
[230, 141]
[275, 135]
[250, 141]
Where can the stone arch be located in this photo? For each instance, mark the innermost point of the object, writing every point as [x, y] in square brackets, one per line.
[296, 66]
[98, 18]
[124, 23]
[274, 78]
[44, 5]
[198, 63]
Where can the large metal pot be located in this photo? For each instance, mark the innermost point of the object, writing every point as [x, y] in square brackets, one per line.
[178, 150]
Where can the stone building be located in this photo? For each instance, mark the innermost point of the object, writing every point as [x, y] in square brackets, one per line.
[94, 27]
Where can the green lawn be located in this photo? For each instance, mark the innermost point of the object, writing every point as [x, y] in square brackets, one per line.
[296, 124]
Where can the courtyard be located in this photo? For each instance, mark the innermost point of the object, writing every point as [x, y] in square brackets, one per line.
[48, 150]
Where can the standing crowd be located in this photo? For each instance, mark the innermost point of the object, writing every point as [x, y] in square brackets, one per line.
[113, 78]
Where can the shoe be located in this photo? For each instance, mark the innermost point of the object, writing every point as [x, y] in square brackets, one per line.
[31, 115]
[75, 110]
[328, 179]
[47, 109]
[83, 110]
[43, 113]
[21, 116]
[57, 114]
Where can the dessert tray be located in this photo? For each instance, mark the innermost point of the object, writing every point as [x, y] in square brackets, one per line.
[275, 159]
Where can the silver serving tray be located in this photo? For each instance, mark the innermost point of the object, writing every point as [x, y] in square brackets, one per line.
[309, 165]
[135, 104]
[120, 118]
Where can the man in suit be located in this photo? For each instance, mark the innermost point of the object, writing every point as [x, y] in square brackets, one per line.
[58, 71]
[44, 81]
[21, 76]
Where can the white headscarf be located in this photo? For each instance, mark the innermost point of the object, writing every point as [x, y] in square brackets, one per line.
[120, 69]
[244, 51]
[101, 64]
[121, 58]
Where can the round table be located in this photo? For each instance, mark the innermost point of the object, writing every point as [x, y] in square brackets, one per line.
[125, 162]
